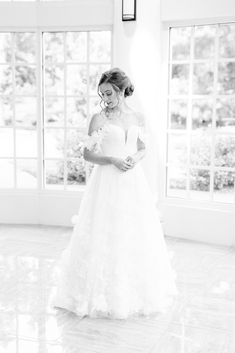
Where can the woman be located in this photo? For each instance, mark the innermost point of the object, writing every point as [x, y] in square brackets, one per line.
[116, 264]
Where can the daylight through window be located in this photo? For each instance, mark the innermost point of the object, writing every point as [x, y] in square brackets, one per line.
[69, 69]
[201, 113]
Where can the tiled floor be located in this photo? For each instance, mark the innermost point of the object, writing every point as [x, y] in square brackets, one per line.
[201, 321]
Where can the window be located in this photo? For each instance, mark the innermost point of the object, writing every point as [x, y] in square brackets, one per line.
[18, 107]
[72, 65]
[201, 113]
[56, 119]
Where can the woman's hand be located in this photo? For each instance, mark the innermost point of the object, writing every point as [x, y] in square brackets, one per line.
[123, 164]
[131, 160]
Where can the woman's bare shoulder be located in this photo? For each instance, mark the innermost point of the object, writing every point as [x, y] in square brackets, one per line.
[97, 121]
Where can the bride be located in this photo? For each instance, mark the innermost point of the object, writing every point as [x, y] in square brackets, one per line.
[116, 264]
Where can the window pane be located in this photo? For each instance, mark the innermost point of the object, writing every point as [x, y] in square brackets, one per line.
[200, 152]
[204, 46]
[54, 80]
[203, 78]
[6, 111]
[179, 79]
[100, 46]
[53, 46]
[7, 173]
[6, 142]
[54, 143]
[25, 111]
[5, 48]
[176, 181]
[76, 46]
[225, 151]
[54, 171]
[180, 43]
[224, 186]
[225, 114]
[75, 140]
[177, 149]
[26, 173]
[202, 113]
[178, 114]
[77, 112]
[25, 77]
[76, 174]
[54, 111]
[226, 40]
[76, 80]
[25, 47]
[5, 79]
[199, 184]
[26, 143]
[226, 78]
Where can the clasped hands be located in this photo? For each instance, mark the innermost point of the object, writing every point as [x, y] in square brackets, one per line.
[124, 164]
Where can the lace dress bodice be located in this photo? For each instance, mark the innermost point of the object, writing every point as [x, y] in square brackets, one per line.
[112, 139]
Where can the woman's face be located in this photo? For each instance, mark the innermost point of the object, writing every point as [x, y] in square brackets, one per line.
[110, 97]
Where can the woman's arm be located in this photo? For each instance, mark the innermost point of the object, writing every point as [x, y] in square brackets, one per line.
[97, 158]
[139, 154]
[141, 146]
[90, 155]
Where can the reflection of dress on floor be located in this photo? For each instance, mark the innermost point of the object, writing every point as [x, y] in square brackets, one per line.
[116, 264]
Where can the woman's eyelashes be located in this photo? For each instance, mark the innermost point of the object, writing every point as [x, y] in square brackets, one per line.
[107, 94]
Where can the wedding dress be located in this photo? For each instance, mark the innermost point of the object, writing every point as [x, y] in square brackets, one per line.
[116, 264]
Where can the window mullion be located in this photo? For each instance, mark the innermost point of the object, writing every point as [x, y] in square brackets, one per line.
[169, 102]
[13, 102]
[212, 159]
[88, 92]
[189, 121]
[40, 109]
[65, 115]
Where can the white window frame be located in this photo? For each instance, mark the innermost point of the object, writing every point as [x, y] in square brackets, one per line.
[169, 201]
[38, 206]
[39, 94]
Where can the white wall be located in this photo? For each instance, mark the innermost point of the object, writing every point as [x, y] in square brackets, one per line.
[33, 207]
[199, 11]
[51, 14]
[137, 51]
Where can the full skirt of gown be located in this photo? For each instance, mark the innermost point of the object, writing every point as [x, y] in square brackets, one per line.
[116, 264]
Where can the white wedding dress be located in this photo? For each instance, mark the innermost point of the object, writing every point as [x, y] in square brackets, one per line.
[116, 264]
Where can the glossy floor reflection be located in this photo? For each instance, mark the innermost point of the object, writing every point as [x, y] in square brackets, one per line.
[202, 319]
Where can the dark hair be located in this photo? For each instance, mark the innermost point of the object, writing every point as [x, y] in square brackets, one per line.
[119, 80]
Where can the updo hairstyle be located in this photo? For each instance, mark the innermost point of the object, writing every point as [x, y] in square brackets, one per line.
[119, 80]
